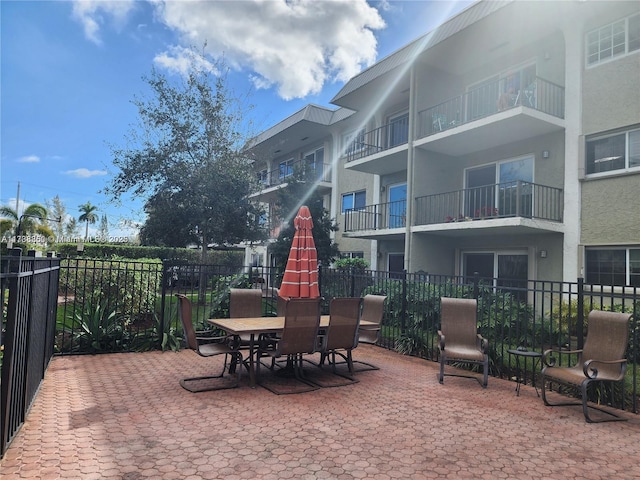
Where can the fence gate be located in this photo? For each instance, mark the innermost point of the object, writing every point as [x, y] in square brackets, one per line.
[30, 289]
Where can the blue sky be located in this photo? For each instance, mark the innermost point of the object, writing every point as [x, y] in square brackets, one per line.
[69, 71]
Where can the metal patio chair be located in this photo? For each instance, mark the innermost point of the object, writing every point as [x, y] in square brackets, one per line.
[459, 340]
[342, 334]
[601, 360]
[299, 336]
[207, 345]
[372, 311]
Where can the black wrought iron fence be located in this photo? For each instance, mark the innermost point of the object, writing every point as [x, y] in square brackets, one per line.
[131, 306]
[29, 292]
[108, 305]
[533, 314]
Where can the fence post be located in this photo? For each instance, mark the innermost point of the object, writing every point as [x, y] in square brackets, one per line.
[476, 282]
[352, 292]
[636, 350]
[163, 296]
[580, 319]
[403, 317]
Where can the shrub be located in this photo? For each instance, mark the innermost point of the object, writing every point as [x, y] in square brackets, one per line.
[95, 329]
[127, 288]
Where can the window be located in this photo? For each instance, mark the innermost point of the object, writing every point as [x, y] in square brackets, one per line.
[493, 189]
[285, 169]
[256, 260]
[395, 265]
[352, 255]
[614, 152]
[354, 200]
[618, 38]
[397, 207]
[613, 266]
[398, 130]
[263, 177]
[315, 162]
[502, 269]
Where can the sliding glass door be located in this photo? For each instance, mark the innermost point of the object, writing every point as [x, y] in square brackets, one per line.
[501, 269]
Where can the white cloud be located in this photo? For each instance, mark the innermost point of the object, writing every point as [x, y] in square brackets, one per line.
[92, 15]
[85, 173]
[182, 60]
[29, 159]
[295, 45]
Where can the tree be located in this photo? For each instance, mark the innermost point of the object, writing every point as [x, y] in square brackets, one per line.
[186, 159]
[32, 221]
[71, 227]
[58, 210]
[103, 229]
[290, 198]
[87, 216]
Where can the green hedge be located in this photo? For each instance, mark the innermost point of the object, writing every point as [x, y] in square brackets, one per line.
[110, 250]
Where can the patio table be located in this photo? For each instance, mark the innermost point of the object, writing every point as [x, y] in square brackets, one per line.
[524, 354]
[259, 325]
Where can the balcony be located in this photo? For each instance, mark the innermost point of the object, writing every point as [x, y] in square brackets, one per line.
[375, 151]
[320, 173]
[517, 199]
[491, 115]
[389, 218]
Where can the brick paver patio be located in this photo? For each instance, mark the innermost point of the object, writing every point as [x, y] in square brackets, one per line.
[124, 416]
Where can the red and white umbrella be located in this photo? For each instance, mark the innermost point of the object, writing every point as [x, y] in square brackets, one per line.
[301, 274]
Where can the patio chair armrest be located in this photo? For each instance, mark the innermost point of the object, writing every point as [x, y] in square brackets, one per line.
[548, 360]
[441, 339]
[592, 372]
[209, 340]
[483, 344]
[369, 328]
[267, 341]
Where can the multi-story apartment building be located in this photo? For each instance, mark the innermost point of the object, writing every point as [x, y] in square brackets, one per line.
[505, 142]
[310, 140]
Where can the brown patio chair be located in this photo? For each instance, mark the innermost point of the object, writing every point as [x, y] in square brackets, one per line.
[245, 303]
[601, 360]
[207, 345]
[299, 336]
[459, 340]
[342, 332]
[372, 311]
[281, 306]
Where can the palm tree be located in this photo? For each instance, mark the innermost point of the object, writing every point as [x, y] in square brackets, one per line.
[31, 221]
[88, 216]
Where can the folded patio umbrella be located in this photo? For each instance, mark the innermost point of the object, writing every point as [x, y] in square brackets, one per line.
[301, 274]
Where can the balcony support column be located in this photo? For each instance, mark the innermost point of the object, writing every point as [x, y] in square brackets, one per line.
[410, 169]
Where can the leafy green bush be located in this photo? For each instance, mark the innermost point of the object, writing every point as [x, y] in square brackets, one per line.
[566, 314]
[127, 288]
[95, 329]
[351, 264]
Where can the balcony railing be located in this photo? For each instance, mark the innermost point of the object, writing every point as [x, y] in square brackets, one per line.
[381, 216]
[510, 199]
[382, 138]
[317, 172]
[491, 98]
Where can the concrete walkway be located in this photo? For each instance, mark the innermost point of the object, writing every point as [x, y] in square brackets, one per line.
[124, 416]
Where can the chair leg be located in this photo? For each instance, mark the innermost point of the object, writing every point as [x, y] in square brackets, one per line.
[442, 362]
[236, 361]
[485, 381]
[612, 417]
[350, 362]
